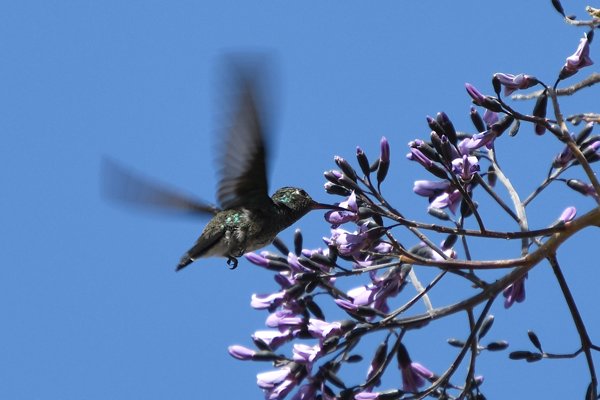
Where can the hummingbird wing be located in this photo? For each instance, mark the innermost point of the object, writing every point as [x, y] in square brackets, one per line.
[121, 184]
[243, 164]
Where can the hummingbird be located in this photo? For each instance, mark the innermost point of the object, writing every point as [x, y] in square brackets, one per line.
[246, 219]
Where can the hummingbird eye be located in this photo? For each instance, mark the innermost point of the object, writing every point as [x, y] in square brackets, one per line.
[303, 192]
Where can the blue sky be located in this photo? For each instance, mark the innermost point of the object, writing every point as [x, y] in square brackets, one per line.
[90, 303]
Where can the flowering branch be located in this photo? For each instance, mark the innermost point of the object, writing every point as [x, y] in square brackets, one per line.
[330, 299]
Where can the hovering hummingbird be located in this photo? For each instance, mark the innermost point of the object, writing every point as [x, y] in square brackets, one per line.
[247, 219]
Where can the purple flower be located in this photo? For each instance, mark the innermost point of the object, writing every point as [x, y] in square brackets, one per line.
[413, 376]
[490, 117]
[418, 156]
[580, 59]
[256, 259]
[476, 95]
[323, 329]
[478, 140]
[264, 301]
[306, 354]
[337, 218]
[515, 292]
[284, 319]
[515, 82]
[277, 383]
[272, 338]
[450, 200]
[465, 167]
[352, 243]
[568, 214]
[429, 188]
[241, 352]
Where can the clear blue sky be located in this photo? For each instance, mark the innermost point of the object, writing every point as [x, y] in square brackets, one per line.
[90, 305]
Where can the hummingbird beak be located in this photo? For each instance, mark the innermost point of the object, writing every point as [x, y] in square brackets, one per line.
[321, 206]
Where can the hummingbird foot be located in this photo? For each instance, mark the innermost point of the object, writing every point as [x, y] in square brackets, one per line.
[232, 262]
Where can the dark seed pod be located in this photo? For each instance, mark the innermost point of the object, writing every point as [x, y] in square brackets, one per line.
[382, 171]
[298, 242]
[502, 125]
[332, 188]
[520, 355]
[265, 355]
[558, 7]
[354, 358]
[492, 104]
[435, 126]
[496, 85]
[514, 129]
[333, 176]
[450, 241]
[282, 247]
[346, 168]
[447, 125]
[535, 340]
[314, 308]
[579, 186]
[491, 176]
[585, 132]
[534, 357]
[497, 346]
[363, 162]
[539, 110]
[477, 120]
[456, 342]
[438, 213]
[485, 326]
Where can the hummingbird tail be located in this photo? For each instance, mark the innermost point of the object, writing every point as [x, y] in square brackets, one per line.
[184, 262]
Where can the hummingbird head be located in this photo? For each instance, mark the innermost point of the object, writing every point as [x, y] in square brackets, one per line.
[299, 201]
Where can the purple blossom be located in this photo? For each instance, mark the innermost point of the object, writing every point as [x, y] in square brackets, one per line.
[283, 319]
[346, 304]
[450, 200]
[413, 376]
[265, 301]
[568, 214]
[377, 293]
[579, 59]
[241, 352]
[337, 218]
[465, 167]
[322, 329]
[256, 259]
[514, 292]
[515, 82]
[352, 243]
[478, 140]
[476, 95]
[430, 188]
[418, 156]
[277, 383]
[306, 354]
[490, 117]
[272, 338]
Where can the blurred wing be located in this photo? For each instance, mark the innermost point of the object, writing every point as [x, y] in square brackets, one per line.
[119, 183]
[244, 172]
